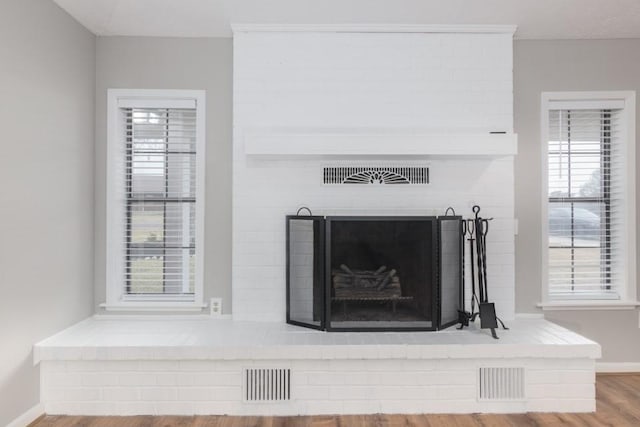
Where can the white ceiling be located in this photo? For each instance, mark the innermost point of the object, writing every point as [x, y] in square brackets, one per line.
[536, 19]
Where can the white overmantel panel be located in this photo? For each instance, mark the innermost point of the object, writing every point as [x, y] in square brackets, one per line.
[449, 81]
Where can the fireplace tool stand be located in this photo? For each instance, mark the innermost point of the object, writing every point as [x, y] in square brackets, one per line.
[476, 229]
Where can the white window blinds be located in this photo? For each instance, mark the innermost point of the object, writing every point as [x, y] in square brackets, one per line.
[586, 179]
[160, 199]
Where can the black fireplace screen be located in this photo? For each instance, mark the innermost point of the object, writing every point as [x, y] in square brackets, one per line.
[373, 273]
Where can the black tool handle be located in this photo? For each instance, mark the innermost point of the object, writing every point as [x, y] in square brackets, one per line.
[463, 234]
[471, 262]
[485, 230]
[481, 288]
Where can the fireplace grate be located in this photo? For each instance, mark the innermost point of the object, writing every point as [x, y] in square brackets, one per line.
[376, 175]
[501, 383]
[267, 385]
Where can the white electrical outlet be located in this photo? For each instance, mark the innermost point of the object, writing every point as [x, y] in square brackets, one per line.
[215, 305]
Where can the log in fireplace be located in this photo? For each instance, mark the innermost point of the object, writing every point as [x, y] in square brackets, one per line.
[367, 273]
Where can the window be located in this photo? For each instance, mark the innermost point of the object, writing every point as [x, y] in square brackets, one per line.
[590, 196]
[155, 199]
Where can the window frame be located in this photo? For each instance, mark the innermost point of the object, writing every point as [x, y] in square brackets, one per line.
[116, 297]
[625, 101]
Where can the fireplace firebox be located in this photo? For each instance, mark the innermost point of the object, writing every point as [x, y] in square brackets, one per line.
[367, 273]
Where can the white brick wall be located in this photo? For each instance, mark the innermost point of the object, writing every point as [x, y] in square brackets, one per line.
[318, 387]
[437, 82]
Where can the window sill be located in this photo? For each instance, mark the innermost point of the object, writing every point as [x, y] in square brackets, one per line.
[588, 305]
[154, 306]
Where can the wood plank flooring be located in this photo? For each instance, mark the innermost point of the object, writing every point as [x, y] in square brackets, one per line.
[618, 405]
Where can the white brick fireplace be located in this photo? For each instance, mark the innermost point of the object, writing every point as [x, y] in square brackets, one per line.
[335, 96]
[304, 100]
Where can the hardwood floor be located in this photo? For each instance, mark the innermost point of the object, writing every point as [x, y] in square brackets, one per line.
[618, 405]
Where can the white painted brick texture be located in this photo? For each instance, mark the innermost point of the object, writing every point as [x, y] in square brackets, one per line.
[318, 387]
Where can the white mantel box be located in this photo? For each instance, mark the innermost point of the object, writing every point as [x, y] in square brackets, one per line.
[305, 96]
[376, 142]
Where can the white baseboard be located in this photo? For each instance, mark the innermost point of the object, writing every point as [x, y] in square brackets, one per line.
[28, 417]
[529, 316]
[608, 367]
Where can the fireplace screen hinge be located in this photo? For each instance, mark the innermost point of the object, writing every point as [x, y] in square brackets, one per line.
[406, 175]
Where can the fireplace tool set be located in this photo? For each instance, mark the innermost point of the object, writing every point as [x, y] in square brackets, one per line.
[474, 231]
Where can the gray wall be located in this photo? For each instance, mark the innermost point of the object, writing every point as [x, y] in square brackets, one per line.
[174, 63]
[541, 66]
[47, 84]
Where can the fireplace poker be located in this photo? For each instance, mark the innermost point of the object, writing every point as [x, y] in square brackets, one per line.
[463, 233]
[470, 229]
[463, 315]
[481, 235]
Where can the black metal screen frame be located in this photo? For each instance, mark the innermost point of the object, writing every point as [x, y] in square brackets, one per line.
[318, 267]
[434, 278]
[322, 270]
[461, 271]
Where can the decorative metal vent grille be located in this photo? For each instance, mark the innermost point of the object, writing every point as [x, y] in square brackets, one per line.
[501, 384]
[376, 175]
[267, 385]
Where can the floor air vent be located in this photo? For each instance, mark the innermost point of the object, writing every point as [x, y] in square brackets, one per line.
[267, 385]
[501, 384]
[376, 175]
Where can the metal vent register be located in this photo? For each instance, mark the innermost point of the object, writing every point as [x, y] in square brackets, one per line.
[267, 385]
[501, 383]
[376, 175]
